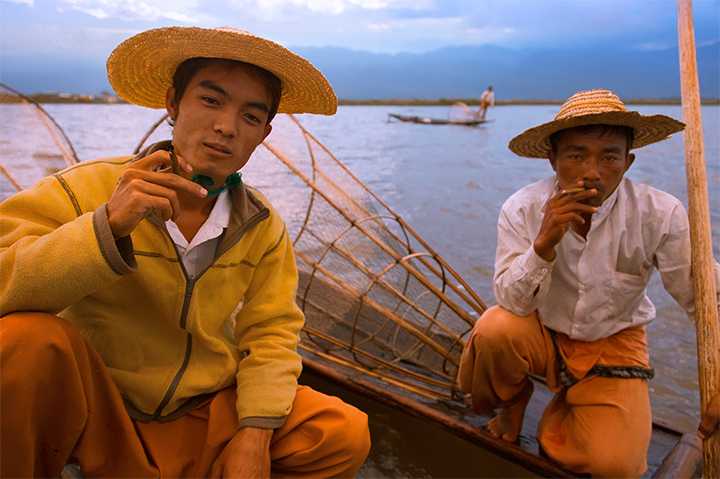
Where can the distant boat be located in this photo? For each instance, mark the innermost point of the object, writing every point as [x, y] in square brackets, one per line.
[437, 121]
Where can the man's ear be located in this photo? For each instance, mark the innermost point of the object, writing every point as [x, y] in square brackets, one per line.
[629, 161]
[170, 105]
[268, 129]
[551, 157]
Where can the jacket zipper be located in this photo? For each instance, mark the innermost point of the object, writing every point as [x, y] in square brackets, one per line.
[188, 297]
[176, 379]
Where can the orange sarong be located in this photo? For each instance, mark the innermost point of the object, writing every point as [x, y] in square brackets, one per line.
[60, 405]
[599, 426]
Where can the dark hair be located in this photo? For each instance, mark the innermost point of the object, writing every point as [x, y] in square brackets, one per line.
[604, 130]
[187, 70]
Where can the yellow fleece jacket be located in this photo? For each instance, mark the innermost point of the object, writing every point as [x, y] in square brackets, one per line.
[162, 336]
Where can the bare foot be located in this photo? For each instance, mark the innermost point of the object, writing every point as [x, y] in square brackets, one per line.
[507, 424]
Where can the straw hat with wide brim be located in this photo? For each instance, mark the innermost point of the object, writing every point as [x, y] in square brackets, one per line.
[595, 107]
[141, 68]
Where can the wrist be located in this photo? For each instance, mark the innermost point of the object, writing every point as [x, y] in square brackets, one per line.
[256, 434]
[545, 251]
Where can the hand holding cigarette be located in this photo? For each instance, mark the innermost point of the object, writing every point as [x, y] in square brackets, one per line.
[572, 191]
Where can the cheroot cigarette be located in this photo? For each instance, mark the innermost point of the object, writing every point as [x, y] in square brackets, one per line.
[174, 160]
[572, 191]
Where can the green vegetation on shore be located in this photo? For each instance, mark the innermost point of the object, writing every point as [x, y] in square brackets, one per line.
[476, 102]
[46, 98]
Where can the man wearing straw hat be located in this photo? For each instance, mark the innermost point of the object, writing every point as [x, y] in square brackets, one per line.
[173, 352]
[574, 257]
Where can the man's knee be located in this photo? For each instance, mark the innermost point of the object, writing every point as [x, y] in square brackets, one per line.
[360, 431]
[499, 329]
[350, 432]
[616, 459]
[619, 465]
[30, 327]
[41, 339]
[323, 436]
[356, 439]
[501, 349]
[603, 427]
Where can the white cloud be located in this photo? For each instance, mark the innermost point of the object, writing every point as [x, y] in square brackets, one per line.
[129, 10]
[490, 34]
[379, 26]
[339, 6]
[396, 25]
[271, 9]
[64, 39]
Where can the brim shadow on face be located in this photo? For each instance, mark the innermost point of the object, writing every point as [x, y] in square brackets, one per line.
[647, 129]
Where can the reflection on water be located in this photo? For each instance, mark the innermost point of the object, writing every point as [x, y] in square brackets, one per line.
[449, 183]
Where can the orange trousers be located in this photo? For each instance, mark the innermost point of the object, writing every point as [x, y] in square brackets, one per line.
[59, 405]
[599, 426]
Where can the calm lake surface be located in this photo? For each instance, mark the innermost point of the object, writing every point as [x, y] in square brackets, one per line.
[449, 183]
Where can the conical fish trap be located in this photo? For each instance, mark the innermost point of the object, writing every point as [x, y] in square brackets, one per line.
[459, 112]
[376, 297]
[32, 144]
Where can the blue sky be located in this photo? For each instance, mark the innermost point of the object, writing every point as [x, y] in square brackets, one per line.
[93, 28]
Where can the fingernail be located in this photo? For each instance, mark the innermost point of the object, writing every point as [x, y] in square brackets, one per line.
[203, 191]
[701, 435]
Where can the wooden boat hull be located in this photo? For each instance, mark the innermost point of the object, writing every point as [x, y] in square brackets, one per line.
[671, 453]
[436, 121]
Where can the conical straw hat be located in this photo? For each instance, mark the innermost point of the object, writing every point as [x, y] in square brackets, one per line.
[595, 107]
[142, 67]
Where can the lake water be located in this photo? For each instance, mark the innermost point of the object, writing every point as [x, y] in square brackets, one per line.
[449, 183]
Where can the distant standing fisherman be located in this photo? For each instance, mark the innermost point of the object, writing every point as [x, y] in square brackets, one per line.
[575, 254]
[486, 99]
[149, 321]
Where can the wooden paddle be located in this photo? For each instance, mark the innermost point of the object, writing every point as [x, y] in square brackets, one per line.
[706, 311]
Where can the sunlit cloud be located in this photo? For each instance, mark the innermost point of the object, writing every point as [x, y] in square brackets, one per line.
[269, 9]
[379, 26]
[388, 26]
[489, 34]
[652, 46]
[127, 10]
[65, 39]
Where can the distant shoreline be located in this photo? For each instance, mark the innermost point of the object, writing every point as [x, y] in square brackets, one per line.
[476, 102]
[106, 98]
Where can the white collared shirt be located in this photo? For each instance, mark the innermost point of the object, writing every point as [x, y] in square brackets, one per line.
[595, 287]
[200, 252]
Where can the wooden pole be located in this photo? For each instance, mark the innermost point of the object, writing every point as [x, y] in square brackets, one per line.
[706, 310]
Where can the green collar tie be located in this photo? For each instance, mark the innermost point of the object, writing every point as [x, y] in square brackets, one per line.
[206, 182]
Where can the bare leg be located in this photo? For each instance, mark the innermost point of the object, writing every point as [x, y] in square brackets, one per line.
[507, 424]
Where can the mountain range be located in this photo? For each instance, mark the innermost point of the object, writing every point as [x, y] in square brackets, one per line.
[451, 72]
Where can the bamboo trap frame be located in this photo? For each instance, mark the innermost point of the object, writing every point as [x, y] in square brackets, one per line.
[377, 298]
[30, 138]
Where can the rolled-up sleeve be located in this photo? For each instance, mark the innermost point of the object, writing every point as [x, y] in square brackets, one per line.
[522, 278]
